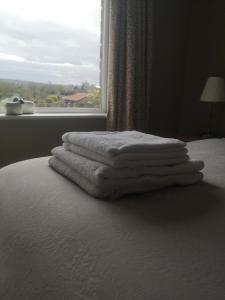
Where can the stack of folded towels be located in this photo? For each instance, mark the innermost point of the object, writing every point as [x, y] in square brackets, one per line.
[111, 164]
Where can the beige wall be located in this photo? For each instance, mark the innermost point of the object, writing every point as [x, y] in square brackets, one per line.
[205, 57]
[26, 138]
[171, 23]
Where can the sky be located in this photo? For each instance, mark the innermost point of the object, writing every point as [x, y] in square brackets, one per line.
[50, 40]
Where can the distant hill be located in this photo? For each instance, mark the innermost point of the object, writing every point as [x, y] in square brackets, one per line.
[27, 82]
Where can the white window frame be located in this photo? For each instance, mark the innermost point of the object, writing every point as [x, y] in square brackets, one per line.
[65, 110]
[104, 54]
[103, 74]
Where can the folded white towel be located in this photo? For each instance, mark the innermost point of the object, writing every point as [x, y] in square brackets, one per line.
[99, 173]
[137, 185]
[132, 160]
[114, 143]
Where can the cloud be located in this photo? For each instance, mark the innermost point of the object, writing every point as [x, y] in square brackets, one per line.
[48, 51]
[5, 56]
[44, 72]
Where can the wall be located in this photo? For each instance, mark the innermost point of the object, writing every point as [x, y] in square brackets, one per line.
[205, 57]
[22, 138]
[171, 23]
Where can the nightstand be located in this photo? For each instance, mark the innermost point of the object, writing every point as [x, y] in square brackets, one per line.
[187, 138]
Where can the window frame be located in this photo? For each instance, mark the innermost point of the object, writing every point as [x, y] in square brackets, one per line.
[103, 56]
[69, 110]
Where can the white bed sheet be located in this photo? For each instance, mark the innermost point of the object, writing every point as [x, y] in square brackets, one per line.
[57, 242]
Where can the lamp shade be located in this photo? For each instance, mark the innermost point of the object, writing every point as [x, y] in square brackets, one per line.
[214, 90]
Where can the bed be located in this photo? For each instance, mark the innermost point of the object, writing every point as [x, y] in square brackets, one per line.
[57, 242]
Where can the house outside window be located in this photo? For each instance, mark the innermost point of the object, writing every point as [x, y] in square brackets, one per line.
[50, 54]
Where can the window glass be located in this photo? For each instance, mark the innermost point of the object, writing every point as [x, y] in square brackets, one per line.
[50, 53]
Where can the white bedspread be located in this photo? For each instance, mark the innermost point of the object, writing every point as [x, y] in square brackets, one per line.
[56, 242]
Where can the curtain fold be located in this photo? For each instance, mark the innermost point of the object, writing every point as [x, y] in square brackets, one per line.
[129, 55]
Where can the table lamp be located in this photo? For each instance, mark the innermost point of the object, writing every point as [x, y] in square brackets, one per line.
[213, 92]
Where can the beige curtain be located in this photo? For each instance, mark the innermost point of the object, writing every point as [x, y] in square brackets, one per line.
[129, 52]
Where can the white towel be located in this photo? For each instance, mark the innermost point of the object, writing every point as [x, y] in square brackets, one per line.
[132, 160]
[99, 173]
[114, 143]
[137, 185]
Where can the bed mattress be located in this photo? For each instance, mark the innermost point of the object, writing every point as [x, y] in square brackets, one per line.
[57, 242]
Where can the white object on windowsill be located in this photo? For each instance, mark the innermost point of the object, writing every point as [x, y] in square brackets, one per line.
[28, 107]
[14, 108]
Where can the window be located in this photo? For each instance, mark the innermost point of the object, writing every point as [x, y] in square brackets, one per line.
[50, 54]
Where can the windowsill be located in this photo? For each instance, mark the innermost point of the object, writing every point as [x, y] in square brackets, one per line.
[52, 116]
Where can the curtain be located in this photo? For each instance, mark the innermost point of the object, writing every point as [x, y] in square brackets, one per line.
[129, 62]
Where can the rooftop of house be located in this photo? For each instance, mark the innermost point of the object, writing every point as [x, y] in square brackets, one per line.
[76, 97]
